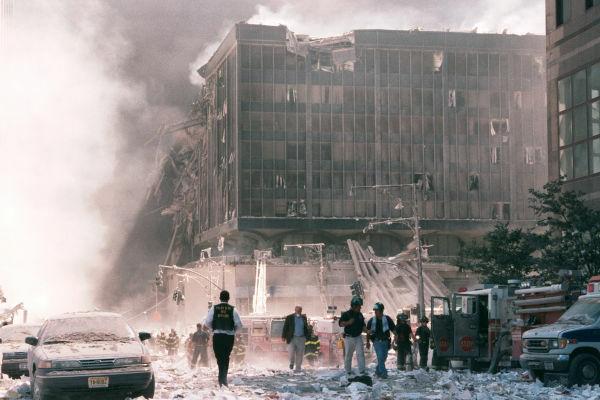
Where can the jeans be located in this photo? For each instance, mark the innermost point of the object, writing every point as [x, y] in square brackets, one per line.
[222, 346]
[296, 351]
[350, 345]
[382, 347]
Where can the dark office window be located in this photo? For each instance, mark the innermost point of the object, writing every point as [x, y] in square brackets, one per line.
[563, 11]
[591, 3]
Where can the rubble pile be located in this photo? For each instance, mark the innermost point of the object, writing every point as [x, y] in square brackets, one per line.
[176, 381]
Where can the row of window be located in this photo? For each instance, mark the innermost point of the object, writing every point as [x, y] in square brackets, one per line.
[579, 123]
[563, 9]
[298, 208]
[259, 57]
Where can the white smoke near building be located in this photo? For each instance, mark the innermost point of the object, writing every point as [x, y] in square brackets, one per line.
[60, 97]
[330, 18]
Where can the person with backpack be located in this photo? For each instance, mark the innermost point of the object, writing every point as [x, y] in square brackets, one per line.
[379, 329]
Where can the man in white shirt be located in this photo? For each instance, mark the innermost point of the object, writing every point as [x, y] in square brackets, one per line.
[224, 321]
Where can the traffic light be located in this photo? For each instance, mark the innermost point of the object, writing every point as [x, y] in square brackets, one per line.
[178, 296]
[357, 289]
[158, 279]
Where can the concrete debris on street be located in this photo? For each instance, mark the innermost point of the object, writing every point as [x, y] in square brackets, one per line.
[176, 381]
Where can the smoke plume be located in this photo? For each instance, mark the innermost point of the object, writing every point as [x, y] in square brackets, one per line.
[59, 131]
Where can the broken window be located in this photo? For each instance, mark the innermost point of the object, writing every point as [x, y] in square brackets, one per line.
[292, 94]
[533, 155]
[452, 98]
[424, 181]
[302, 208]
[473, 181]
[279, 181]
[495, 155]
[292, 208]
[518, 99]
[499, 126]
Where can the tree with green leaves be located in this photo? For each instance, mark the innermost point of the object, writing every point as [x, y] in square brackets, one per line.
[566, 236]
[571, 231]
[503, 254]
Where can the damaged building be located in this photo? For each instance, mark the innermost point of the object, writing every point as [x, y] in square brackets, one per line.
[295, 139]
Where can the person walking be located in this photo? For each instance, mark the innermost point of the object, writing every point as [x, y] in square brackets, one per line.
[200, 346]
[423, 335]
[353, 323]
[295, 332]
[379, 329]
[224, 321]
[238, 354]
[404, 335]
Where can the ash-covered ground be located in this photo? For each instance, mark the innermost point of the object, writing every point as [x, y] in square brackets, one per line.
[175, 380]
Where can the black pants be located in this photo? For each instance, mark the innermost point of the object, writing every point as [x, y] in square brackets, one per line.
[222, 346]
[423, 355]
[200, 352]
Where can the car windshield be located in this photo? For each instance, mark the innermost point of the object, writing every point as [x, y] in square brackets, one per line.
[87, 329]
[17, 333]
[584, 312]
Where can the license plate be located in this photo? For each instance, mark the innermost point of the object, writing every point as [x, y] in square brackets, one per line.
[23, 367]
[98, 382]
[549, 366]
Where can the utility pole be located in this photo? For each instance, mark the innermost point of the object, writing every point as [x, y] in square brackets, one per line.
[414, 224]
[318, 247]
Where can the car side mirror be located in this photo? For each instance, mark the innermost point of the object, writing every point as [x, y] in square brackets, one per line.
[31, 340]
[144, 336]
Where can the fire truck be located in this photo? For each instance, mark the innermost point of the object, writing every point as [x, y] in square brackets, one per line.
[263, 337]
[482, 328]
[329, 333]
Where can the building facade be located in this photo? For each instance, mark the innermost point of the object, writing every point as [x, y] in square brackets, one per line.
[297, 128]
[573, 59]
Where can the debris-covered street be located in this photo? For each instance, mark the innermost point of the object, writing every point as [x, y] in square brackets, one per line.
[176, 381]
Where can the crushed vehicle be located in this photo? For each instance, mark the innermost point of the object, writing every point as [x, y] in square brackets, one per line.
[569, 349]
[89, 353]
[13, 349]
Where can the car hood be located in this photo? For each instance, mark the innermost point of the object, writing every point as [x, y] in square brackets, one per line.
[91, 350]
[13, 347]
[549, 331]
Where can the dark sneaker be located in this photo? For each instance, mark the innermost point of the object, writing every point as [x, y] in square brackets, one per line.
[291, 366]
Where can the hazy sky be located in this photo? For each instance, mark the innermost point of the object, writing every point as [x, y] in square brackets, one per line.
[85, 85]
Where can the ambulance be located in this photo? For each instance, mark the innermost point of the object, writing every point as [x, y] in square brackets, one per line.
[569, 349]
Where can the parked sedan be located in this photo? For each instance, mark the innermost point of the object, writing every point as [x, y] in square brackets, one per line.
[13, 350]
[89, 353]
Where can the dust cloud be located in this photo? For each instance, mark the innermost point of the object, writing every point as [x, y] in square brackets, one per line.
[59, 111]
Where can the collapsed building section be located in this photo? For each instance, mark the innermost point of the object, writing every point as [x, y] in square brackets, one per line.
[296, 139]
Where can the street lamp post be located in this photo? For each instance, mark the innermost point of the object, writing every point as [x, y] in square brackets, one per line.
[319, 248]
[414, 225]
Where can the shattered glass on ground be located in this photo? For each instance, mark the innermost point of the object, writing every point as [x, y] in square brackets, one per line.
[176, 381]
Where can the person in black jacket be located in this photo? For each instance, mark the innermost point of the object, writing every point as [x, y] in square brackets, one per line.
[224, 321]
[353, 323]
[200, 344]
[404, 335]
[423, 335]
[379, 329]
[295, 332]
